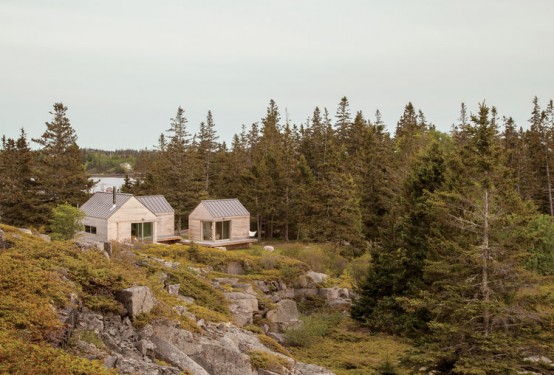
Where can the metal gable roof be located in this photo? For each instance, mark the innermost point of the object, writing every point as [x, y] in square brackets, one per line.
[101, 205]
[156, 203]
[225, 208]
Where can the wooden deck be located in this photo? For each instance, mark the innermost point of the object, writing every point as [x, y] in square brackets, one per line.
[228, 244]
[170, 239]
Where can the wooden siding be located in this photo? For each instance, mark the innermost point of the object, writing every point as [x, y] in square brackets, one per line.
[119, 224]
[200, 213]
[240, 227]
[101, 229]
[166, 225]
[195, 229]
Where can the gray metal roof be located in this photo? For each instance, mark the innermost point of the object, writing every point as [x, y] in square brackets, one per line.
[225, 208]
[156, 203]
[101, 205]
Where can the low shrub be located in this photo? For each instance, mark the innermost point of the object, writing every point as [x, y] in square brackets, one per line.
[267, 361]
[20, 357]
[273, 345]
[314, 327]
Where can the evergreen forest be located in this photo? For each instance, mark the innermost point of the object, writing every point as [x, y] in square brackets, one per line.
[447, 238]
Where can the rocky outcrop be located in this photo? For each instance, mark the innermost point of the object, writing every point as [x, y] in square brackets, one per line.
[307, 369]
[221, 349]
[285, 316]
[173, 289]
[316, 277]
[234, 268]
[137, 300]
[166, 351]
[217, 348]
[242, 306]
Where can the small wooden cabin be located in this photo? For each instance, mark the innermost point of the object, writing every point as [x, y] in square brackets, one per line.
[126, 218]
[220, 223]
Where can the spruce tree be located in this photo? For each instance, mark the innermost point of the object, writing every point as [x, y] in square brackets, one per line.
[181, 179]
[207, 146]
[398, 265]
[60, 176]
[473, 272]
[18, 193]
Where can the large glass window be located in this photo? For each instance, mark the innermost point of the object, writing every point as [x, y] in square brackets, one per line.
[142, 231]
[223, 230]
[207, 231]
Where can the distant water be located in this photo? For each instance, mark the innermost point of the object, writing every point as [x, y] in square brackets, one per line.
[107, 183]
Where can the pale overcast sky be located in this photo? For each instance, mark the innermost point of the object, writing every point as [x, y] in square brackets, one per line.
[123, 67]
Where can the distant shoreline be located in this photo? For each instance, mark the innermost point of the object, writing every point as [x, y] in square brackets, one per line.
[131, 175]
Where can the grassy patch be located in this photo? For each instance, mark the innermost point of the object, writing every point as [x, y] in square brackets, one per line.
[314, 327]
[273, 345]
[349, 350]
[18, 356]
[267, 361]
[89, 337]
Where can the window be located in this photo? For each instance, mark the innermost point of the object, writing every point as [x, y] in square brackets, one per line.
[207, 231]
[90, 229]
[223, 230]
[142, 231]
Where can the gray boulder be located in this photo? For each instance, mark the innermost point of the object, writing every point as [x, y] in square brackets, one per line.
[137, 300]
[316, 277]
[173, 289]
[242, 306]
[234, 268]
[169, 353]
[223, 360]
[307, 369]
[284, 316]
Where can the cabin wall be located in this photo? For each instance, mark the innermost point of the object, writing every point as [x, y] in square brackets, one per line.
[196, 217]
[101, 229]
[240, 227]
[119, 224]
[166, 225]
[195, 229]
[200, 213]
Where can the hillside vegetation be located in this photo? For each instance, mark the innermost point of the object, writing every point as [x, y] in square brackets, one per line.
[40, 279]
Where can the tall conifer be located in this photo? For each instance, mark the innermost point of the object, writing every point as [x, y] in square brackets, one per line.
[60, 175]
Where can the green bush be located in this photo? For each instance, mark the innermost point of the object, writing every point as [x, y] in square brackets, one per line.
[314, 327]
[66, 221]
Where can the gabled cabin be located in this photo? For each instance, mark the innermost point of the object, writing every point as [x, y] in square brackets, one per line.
[220, 223]
[126, 218]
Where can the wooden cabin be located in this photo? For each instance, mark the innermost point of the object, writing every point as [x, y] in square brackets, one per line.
[220, 223]
[126, 218]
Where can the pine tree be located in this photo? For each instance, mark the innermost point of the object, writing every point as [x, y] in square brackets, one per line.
[343, 120]
[207, 146]
[182, 179]
[335, 215]
[60, 175]
[537, 140]
[397, 267]
[473, 270]
[18, 193]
